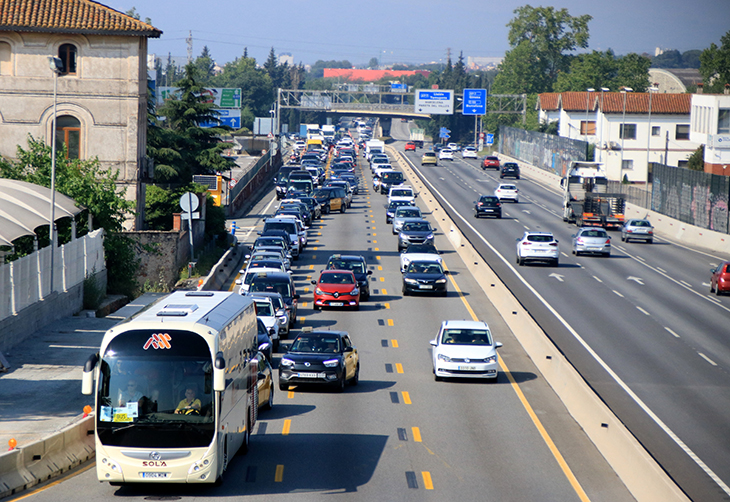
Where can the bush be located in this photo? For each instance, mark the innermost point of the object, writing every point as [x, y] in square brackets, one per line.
[93, 294]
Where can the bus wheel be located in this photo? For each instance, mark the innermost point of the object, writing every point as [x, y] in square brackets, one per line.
[246, 437]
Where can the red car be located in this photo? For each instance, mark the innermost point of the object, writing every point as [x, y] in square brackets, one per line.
[492, 162]
[336, 288]
[410, 146]
[720, 280]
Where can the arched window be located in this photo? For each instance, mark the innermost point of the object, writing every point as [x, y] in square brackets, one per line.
[68, 132]
[6, 67]
[67, 54]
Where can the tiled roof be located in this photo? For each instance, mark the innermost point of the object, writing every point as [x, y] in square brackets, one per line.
[579, 101]
[548, 101]
[70, 16]
[613, 102]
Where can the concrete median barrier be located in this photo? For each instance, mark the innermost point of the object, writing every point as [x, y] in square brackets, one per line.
[643, 477]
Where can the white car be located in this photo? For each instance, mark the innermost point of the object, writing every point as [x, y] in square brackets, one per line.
[402, 192]
[245, 283]
[453, 147]
[267, 313]
[419, 252]
[446, 154]
[538, 246]
[469, 152]
[465, 349]
[507, 191]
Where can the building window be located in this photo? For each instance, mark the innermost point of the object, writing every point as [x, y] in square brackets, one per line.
[627, 164]
[723, 121]
[627, 131]
[683, 163]
[682, 131]
[67, 54]
[68, 132]
[656, 130]
[6, 67]
[588, 128]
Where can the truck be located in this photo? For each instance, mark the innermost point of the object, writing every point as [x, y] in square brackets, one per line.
[328, 131]
[372, 146]
[586, 200]
[417, 137]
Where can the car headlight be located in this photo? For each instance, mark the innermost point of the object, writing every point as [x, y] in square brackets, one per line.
[286, 362]
[445, 358]
[411, 281]
[429, 236]
[355, 292]
[331, 363]
[318, 291]
[402, 236]
[440, 281]
[491, 359]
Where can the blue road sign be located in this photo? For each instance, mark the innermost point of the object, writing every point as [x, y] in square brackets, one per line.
[398, 88]
[475, 102]
[490, 139]
[444, 133]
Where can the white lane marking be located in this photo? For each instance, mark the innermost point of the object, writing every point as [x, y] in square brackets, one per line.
[564, 254]
[637, 279]
[526, 211]
[661, 270]
[642, 310]
[526, 227]
[589, 349]
[640, 258]
[619, 294]
[596, 278]
[672, 332]
[705, 284]
[707, 359]
[686, 283]
[557, 276]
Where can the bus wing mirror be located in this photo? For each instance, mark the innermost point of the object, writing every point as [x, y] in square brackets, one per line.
[87, 381]
[219, 373]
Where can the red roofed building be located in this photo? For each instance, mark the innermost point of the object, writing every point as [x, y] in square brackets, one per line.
[656, 127]
[370, 75]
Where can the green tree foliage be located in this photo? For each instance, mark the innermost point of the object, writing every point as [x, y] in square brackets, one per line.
[205, 64]
[715, 65]
[162, 203]
[521, 72]
[552, 34]
[674, 59]
[691, 59]
[696, 161]
[91, 187]
[604, 69]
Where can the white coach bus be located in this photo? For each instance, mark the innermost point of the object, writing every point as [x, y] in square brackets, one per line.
[175, 389]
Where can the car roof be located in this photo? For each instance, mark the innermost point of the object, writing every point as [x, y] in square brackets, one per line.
[346, 257]
[323, 332]
[276, 275]
[539, 233]
[464, 324]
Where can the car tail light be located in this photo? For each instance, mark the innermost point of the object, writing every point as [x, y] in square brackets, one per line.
[526, 243]
[579, 240]
[498, 204]
[608, 241]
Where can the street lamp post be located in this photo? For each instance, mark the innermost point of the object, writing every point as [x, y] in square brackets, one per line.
[588, 97]
[56, 67]
[600, 137]
[652, 89]
[624, 91]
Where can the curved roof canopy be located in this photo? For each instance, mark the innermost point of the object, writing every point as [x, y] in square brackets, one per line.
[25, 207]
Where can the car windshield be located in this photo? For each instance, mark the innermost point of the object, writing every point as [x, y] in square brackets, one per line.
[408, 212]
[507, 187]
[316, 344]
[425, 268]
[466, 337]
[488, 199]
[283, 288]
[417, 226]
[422, 248]
[640, 223]
[594, 233]
[356, 266]
[336, 278]
[287, 227]
[429, 154]
[540, 238]
[263, 309]
[389, 177]
[401, 193]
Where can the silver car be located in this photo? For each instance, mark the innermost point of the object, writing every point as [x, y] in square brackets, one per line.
[592, 240]
[637, 230]
[403, 214]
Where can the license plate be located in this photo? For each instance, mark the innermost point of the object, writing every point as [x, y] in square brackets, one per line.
[425, 286]
[467, 368]
[336, 304]
[308, 375]
[155, 475]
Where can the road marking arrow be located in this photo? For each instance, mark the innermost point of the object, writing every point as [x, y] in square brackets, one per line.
[526, 211]
[637, 279]
[557, 276]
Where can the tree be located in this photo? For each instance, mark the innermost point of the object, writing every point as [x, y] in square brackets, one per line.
[521, 72]
[691, 59]
[633, 71]
[373, 63]
[668, 59]
[696, 161]
[255, 83]
[551, 33]
[715, 65]
[205, 65]
[603, 69]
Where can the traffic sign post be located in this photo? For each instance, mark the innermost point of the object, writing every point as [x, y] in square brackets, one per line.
[490, 139]
[434, 102]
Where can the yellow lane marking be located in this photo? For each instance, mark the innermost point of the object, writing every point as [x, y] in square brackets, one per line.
[375, 242]
[416, 434]
[398, 368]
[287, 427]
[406, 397]
[313, 249]
[387, 305]
[427, 483]
[302, 319]
[309, 277]
[394, 343]
[290, 394]
[538, 424]
[365, 197]
[306, 290]
[377, 257]
[382, 279]
[279, 476]
[390, 322]
[380, 267]
[304, 304]
[318, 233]
[314, 255]
[311, 267]
[370, 210]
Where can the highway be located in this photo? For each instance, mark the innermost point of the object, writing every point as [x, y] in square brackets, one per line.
[398, 435]
[640, 326]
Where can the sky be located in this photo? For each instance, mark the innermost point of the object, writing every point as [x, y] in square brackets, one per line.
[410, 31]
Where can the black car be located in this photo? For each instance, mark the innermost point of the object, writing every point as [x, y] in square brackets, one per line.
[264, 341]
[488, 205]
[510, 170]
[424, 277]
[389, 179]
[281, 180]
[390, 210]
[415, 232]
[358, 266]
[314, 207]
[320, 357]
[278, 282]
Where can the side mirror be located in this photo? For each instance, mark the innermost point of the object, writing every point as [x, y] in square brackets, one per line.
[263, 346]
[219, 373]
[296, 297]
[239, 282]
[272, 331]
[433, 342]
[261, 375]
[313, 282]
[497, 344]
[87, 381]
[369, 272]
[348, 349]
[289, 272]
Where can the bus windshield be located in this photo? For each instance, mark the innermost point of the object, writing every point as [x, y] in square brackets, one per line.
[155, 391]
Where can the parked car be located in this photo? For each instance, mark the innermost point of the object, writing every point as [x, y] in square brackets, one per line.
[320, 357]
[488, 205]
[429, 158]
[720, 279]
[538, 246]
[638, 230]
[510, 170]
[592, 240]
[465, 349]
[490, 162]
